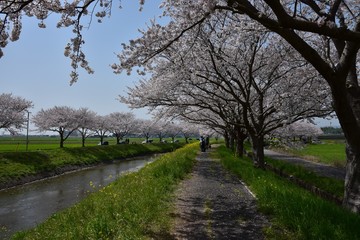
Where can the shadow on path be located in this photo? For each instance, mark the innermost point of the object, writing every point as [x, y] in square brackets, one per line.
[214, 204]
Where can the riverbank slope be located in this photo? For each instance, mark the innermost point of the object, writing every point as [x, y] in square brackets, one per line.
[17, 168]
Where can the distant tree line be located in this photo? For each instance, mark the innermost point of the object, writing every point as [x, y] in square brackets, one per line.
[66, 121]
[332, 130]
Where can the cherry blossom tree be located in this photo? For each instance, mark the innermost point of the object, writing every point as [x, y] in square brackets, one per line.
[102, 127]
[60, 119]
[13, 112]
[173, 130]
[121, 124]
[303, 130]
[146, 128]
[261, 80]
[327, 35]
[161, 129]
[189, 130]
[86, 120]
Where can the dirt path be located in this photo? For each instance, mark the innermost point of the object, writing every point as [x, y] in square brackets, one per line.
[214, 204]
[321, 169]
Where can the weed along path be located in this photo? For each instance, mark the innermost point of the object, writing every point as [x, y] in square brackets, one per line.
[214, 204]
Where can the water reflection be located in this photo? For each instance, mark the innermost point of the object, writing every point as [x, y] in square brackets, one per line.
[28, 205]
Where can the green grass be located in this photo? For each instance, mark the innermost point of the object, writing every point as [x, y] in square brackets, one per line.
[330, 185]
[14, 165]
[36, 143]
[18, 143]
[136, 206]
[295, 213]
[329, 152]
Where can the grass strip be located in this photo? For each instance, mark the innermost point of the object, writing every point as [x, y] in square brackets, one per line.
[330, 185]
[16, 165]
[294, 212]
[136, 206]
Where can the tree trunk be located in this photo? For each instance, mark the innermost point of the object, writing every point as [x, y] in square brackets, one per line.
[240, 138]
[239, 147]
[82, 132]
[352, 180]
[227, 140]
[232, 141]
[258, 151]
[61, 140]
[347, 108]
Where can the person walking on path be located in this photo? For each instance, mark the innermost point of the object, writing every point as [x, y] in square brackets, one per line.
[214, 204]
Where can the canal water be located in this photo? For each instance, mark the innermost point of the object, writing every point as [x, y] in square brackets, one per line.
[26, 206]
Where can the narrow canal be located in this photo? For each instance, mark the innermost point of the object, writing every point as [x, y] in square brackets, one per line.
[26, 206]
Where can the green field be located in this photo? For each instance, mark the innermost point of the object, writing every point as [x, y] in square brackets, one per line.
[18, 143]
[330, 152]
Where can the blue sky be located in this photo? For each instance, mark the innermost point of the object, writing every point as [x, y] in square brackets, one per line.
[36, 69]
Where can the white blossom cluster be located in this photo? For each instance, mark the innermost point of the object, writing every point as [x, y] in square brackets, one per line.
[72, 14]
[334, 17]
[214, 68]
[187, 14]
[184, 15]
[298, 129]
[13, 112]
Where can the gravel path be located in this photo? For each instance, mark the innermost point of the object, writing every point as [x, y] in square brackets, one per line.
[214, 204]
[321, 169]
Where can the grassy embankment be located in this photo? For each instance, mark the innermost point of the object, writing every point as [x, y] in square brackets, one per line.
[136, 206]
[15, 165]
[331, 152]
[329, 185]
[295, 212]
